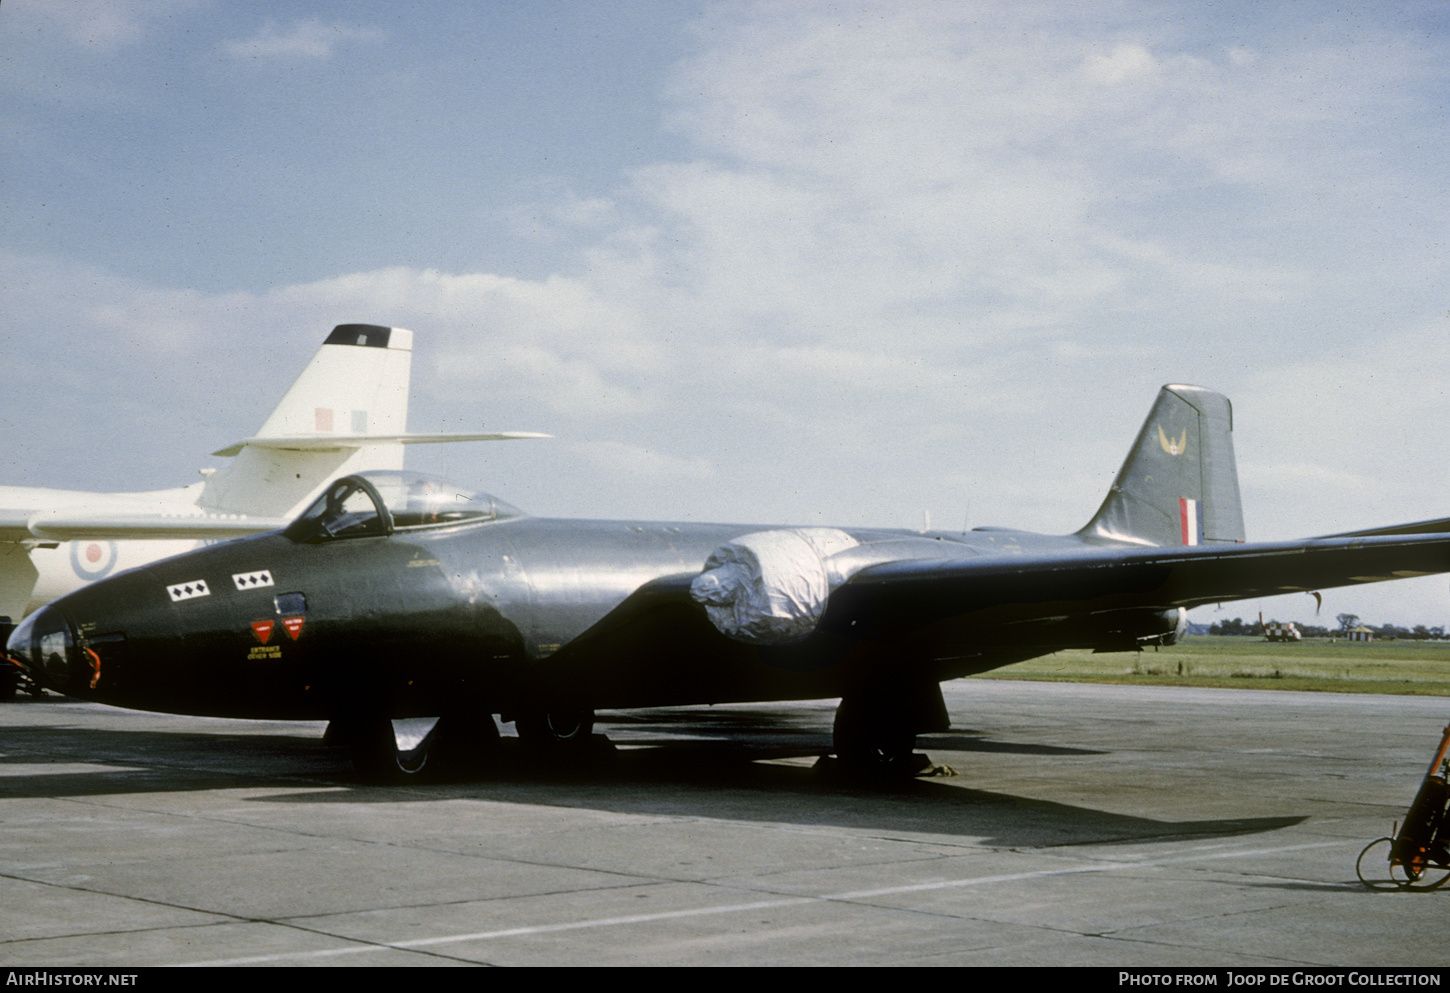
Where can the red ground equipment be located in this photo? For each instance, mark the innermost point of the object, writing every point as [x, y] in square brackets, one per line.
[1418, 856]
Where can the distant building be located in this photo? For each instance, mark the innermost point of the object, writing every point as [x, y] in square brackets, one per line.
[1360, 633]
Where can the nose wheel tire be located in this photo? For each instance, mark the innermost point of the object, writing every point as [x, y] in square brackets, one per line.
[418, 749]
[388, 751]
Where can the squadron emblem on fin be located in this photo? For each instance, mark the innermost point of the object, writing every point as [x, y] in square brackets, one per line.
[1169, 445]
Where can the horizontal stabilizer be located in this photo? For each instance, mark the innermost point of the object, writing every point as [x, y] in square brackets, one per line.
[75, 527]
[339, 442]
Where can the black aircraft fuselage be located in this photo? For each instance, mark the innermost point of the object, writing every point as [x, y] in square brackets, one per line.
[396, 599]
[311, 624]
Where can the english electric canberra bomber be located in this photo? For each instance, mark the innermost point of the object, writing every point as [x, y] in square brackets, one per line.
[408, 611]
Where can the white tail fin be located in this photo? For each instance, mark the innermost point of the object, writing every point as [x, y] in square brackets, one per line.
[355, 388]
[356, 384]
[347, 412]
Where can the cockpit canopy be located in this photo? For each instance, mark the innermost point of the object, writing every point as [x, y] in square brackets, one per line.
[379, 503]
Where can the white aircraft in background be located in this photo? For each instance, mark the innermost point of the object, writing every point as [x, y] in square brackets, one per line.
[347, 411]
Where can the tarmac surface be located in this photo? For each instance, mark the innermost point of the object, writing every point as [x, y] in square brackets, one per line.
[1086, 825]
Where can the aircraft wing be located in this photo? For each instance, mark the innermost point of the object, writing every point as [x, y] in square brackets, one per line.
[939, 607]
[337, 442]
[893, 599]
[1438, 525]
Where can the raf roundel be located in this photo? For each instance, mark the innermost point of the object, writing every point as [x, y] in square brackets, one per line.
[92, 560]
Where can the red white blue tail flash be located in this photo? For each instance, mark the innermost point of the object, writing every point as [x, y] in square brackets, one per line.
[1188, 520]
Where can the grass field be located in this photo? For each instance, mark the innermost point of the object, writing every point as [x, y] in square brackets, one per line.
[1252, 663]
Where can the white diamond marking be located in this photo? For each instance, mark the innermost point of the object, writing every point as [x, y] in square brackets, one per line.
[188, 591]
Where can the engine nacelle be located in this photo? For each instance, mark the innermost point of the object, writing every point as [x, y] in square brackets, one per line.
[1132, 630]
[771, 587]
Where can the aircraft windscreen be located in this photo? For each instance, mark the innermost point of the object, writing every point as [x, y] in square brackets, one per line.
[377, 503]
[418, 500]
[346, 510]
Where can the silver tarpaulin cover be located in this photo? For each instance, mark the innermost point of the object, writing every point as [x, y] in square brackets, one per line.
[771, 587]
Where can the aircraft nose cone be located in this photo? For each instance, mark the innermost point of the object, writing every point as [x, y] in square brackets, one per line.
[19, 638]
[45, 645]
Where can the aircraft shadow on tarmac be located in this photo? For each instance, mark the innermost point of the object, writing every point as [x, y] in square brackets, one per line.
[763, 729]
[702, 775]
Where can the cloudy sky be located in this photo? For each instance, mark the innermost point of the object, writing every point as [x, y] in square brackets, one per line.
[768, 262]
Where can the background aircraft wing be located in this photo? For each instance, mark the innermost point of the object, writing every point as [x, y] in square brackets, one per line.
[96, 527]
[337, 442]
[15, 524]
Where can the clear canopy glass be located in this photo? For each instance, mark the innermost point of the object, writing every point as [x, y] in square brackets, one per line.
[376, 503]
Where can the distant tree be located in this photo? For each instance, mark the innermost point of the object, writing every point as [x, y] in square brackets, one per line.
[1235, 626]
[1347, 622]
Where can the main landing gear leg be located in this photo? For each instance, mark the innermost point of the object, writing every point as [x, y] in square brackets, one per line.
[875, 731]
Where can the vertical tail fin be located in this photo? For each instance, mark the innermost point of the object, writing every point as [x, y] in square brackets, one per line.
[356, 385]
[1179, 484]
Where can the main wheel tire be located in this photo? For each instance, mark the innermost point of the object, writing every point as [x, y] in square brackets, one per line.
[873, 740]
[9, 681]
[561, 727]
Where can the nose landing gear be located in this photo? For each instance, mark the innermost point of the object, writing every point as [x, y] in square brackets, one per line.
[416, 749]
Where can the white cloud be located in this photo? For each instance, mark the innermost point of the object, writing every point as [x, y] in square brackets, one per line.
[307, 40]
[620, 460]
[101, 26]
[1124, 63]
